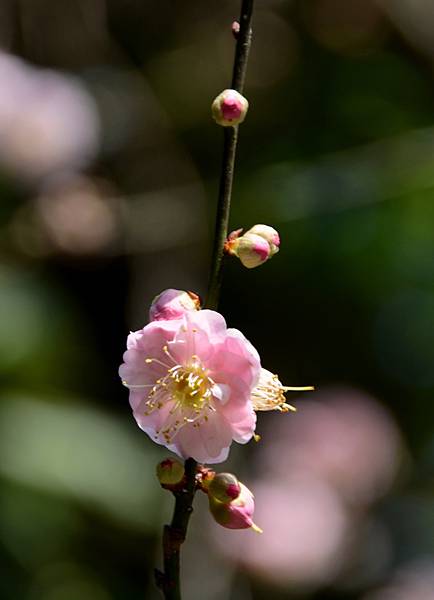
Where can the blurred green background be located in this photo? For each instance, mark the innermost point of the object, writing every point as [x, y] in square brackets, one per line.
[109, 165]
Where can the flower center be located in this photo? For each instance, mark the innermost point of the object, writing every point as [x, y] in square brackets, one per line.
[186, 388]
[189, 386]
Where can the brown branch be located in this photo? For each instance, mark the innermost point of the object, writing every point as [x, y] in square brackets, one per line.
[175, 533]
[244, 39]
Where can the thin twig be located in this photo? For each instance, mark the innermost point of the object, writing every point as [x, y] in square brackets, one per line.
[228, 164]
[175, 533]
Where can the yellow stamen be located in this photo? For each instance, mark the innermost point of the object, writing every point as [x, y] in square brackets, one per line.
[306, 388]
[269, 393]
[186, 387]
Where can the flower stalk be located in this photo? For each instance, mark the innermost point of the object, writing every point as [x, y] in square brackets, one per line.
[175, 533]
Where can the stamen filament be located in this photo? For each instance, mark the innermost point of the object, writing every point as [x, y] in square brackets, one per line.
[136, 386]
[188, 387]
[167, 353]
[156, 360]
[306, 388]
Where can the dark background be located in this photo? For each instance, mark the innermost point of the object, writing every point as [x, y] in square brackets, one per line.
[109, 165]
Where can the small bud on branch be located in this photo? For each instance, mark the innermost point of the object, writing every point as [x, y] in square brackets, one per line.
[255, 247]
[229, 108]
[224, 487]
[236, 514]
[170, 473]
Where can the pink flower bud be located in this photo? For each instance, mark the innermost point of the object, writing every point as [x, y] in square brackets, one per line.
[256, 246]
[269, 234]
[251, 249]
[235, 29]
[170, 472]
[229, 108]
[224, 487]
[172, 304]
[236, 514]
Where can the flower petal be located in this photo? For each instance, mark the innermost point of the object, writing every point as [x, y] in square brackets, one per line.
[208, 443]
[221, 392]
[242, 419]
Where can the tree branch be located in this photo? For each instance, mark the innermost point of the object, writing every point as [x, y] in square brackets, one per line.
[244, 40]
[175, 533]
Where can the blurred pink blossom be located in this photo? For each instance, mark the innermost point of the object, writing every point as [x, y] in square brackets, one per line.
[305, 529]
[48, 121]
[344, 437]
[76, 215]
[318, 472]
[190, 382]
[414, 581]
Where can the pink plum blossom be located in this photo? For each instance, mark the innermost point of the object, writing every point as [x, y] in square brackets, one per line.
[306, 529]
[190, 383]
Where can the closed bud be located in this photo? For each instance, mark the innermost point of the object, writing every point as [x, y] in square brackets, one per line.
[236, 514]
[229, 108]
[269, 234]
[251, 249]
[256, 246]
[170, 472]
[235, 29]
[224, 487]
[172, 304]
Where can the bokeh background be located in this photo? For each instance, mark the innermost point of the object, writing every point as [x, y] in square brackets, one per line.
[109, 166]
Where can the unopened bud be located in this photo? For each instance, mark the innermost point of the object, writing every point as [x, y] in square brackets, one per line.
[170, 472]
[172, 304]
[224, 487]
[236, 514]
[256, 246]
[251, 249]
[269, 234]
[235, 29]
[229, 108]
